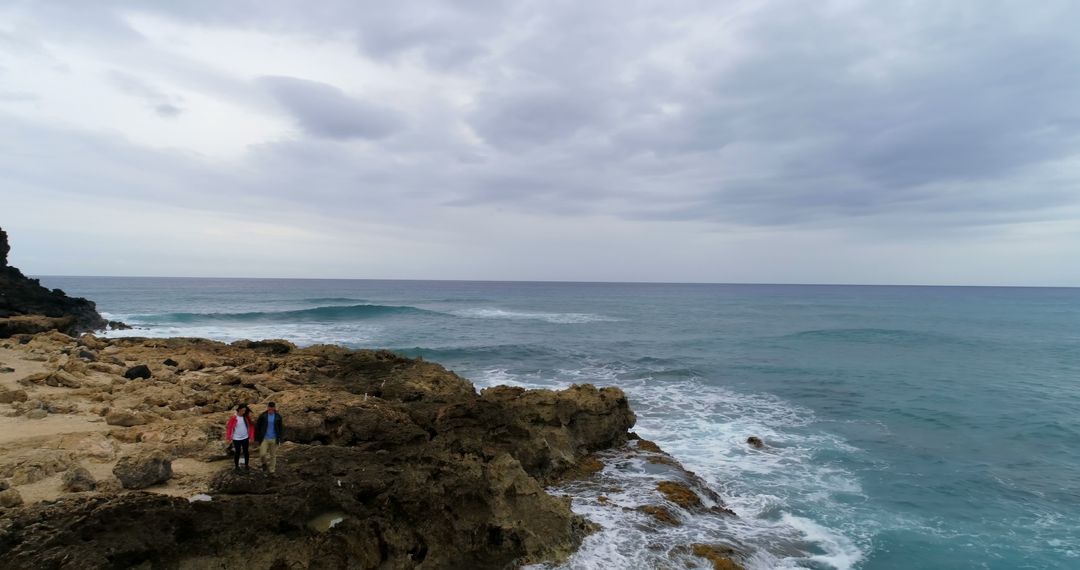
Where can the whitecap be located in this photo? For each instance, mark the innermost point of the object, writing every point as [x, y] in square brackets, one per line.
[557, 318]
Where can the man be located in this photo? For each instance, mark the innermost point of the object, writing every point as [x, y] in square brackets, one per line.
[269, 430]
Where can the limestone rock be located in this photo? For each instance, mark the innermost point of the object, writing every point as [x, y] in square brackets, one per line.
[127, 418]
[78, 480]
[10, 396]
[10, 498]
[143, 470]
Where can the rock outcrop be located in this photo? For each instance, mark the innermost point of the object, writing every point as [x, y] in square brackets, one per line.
[26, 307]
[390, 462]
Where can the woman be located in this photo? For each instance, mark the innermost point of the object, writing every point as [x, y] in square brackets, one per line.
[239, 431]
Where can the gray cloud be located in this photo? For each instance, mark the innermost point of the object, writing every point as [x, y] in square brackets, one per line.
[163, 104]
[326, 111]
[861, 118]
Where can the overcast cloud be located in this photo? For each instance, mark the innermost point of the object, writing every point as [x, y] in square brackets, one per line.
[757, 141]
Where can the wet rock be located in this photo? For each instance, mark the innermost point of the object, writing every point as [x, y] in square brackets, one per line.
[143, 470]
[661, 514]
[719, 557]
[10, 498]
[78, 480]
[755, 442]
[118, 326]
[680, 494]
[138, 371]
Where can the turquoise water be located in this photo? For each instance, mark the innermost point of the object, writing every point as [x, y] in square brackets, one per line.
[909, 427]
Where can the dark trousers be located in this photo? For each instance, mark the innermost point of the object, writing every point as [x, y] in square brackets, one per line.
[238, 446]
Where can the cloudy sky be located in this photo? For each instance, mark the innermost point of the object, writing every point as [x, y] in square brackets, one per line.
[752, 141]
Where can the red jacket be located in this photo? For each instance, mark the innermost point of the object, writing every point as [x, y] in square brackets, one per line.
[229, 427]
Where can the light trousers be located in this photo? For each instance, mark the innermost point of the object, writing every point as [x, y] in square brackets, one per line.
[268, 454]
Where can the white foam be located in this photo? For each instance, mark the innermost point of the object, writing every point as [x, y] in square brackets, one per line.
[706, 427]
[199, 498]
[303, 334]
[557, 318]
[840, 552]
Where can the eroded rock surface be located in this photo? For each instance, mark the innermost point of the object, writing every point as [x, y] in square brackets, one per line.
[421, 470]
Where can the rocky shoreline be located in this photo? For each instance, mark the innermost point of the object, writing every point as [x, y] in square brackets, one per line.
[112, 455]
[106, 468]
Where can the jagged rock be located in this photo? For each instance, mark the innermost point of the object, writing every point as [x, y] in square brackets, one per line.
[423, 470]
[170, 362]
[755, 442]
[661, 514]
[57, 378]
[143, 470]
[21, 296]
[10, 498]
[78, 480]
[119, 326]
[719, 557]
[138, 371]
[87, 355]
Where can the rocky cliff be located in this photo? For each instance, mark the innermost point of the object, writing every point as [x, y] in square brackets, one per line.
[26, 306]
[390, 462]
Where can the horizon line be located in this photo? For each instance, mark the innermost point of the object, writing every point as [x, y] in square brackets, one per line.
[568, 282]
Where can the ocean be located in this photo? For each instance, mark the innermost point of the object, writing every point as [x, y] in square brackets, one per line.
[907, 427]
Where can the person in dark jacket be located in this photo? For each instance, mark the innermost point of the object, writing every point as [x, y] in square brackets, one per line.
[269, 430]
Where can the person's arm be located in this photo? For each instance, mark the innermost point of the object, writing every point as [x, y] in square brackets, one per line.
[280, 431]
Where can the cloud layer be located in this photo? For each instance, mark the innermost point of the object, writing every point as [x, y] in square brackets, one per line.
[679, 141]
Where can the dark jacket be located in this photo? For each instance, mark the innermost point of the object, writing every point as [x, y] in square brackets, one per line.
[260, 427]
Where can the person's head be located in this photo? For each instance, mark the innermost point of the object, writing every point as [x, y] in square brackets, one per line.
[242, 410]
[271, 408]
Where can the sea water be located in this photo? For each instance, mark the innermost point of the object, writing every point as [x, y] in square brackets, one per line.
[907, 427]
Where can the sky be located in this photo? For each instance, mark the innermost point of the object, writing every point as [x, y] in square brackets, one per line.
[898, 142]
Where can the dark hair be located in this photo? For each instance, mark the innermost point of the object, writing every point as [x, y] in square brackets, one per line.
[244, 407]
[270, 405]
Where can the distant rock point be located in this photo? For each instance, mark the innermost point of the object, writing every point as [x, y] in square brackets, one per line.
[26, 307]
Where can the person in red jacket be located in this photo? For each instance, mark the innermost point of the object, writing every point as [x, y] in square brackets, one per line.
[240, 430]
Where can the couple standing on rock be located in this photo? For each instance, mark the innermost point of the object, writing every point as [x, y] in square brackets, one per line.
[267, 432]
